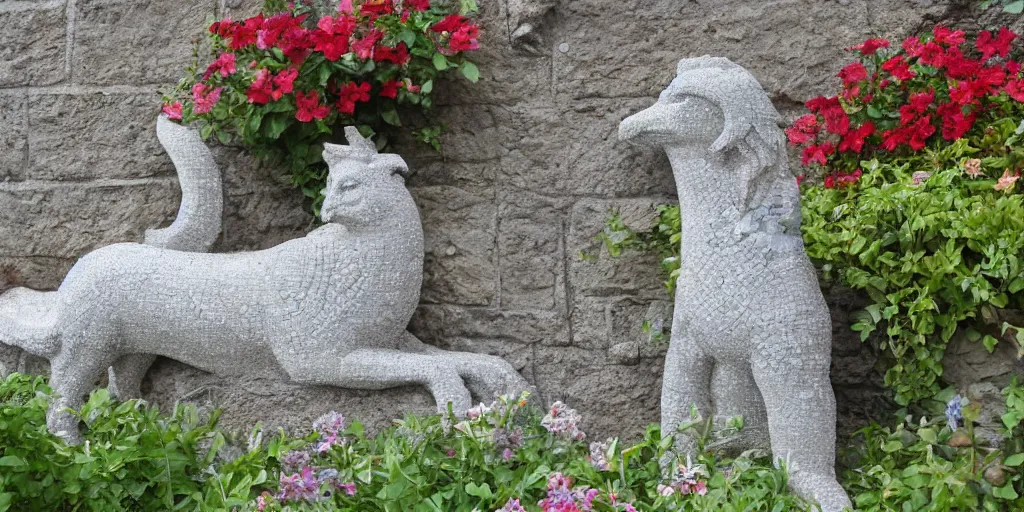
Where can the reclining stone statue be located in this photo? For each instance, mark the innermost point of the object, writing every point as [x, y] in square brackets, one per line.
[751, 333]
[327, 309]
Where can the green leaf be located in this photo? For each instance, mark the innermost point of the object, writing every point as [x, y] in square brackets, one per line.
[1016, 7]
[472, 73]
[12, 461]
[1006, 492]
[391, 117]
[1014, 460]
[408, 37]
[480, 491]
[440, 62]
[427, 87]
[990, 343]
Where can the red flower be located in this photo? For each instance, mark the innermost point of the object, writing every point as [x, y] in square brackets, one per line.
[398, 55]
[450, 24]
[283, 82]
[342, 25]
[958, 66]
[999, 44]
[932, 54]
[417, 5]
[1015, 89]
[892, 139]
[830, 181]
[853, 141]
[804, 129]
[332, 34]
[870, 46]
[173, 111]
[244, 34]
[954, 122]
[919, 132]
[267, 87]
[836, 120]
[364, 47]
[465, 38]
[1012, 68]
[912, 45]
[946, 36]
[389, 89]
[204, 98]
[817, 153]
[853, 73]
[225, 65]
[309, 107]
[352, 94]
[375, 8]
[898, 68]
[919, 103]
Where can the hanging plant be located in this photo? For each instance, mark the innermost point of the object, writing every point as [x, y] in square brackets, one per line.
[286, 80]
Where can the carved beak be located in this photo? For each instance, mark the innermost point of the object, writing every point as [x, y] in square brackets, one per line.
[648, 127]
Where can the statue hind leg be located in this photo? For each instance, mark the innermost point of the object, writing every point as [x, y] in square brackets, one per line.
[736, 394]
[687, 383]
[486, 376]
[801, 410]
[126, 374]
[374, 368]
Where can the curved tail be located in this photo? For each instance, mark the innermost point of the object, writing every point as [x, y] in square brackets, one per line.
[27, 321]
[202, 204]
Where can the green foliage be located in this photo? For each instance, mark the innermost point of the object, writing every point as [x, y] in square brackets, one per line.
[925, 466]
[662, 239]
[136, 459]
[133, 458]
[1010, 6]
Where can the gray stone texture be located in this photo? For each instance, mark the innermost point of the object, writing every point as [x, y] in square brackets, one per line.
[526, 175]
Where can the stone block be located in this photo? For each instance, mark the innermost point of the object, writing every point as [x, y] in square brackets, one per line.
[445, 325]
[68, 220]
[75, 137]
[531, 250]
[13, 134]
[136, 41]
[460, 238]
[33, 43]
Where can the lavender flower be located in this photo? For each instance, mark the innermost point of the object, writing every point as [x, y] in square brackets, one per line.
[513, 505]
[563, 421]
[331, 423]
[302, 486]
[954, 413]
[292, 461]
[598, 457]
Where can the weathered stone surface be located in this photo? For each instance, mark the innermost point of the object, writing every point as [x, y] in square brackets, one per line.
[459, 225]
[68, 220]
[13, 134]
[32, 45]
[136, 42]
[92, 136]
[530, 250]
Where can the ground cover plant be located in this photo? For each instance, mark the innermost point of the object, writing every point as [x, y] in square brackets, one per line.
[287, 80]
[909, 195]
[503, 457]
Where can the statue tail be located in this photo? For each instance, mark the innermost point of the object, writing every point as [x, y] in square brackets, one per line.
[27, 321]
[199, 217]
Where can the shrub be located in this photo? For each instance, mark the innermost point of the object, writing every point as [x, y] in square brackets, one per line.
[937, 464]
[912, 196]
[282, 82]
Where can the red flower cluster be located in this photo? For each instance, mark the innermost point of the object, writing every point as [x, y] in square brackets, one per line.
[903, 97]
[461, 34]
[267, 87]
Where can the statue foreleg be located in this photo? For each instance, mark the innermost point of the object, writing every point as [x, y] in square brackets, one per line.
[687, 383]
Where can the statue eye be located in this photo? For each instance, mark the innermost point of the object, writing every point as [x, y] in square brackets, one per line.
[347, 185]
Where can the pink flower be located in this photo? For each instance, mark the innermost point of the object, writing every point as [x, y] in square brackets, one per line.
[284, 82]
[345, 6]
[173, 111]
[204, 98]
[1007, 181]
[225, 65]
[349, 488]
[364, 47]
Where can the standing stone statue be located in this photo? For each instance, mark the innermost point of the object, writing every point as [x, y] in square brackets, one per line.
[327, 309]
[751, 333]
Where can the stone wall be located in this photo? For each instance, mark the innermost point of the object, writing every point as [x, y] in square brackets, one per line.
[528, 171]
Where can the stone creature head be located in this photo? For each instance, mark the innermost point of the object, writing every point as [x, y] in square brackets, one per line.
[716, 106]
[364, 187]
